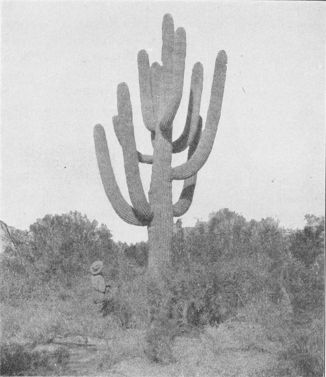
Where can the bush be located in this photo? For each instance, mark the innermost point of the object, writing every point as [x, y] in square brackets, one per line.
[159, 341]
[308, 244]
[164, 324]
[304, 351]
[17, 359]
[300, 351]
[31, 321]
[14, 359]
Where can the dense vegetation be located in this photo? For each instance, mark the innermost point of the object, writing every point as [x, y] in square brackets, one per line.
[225, 269]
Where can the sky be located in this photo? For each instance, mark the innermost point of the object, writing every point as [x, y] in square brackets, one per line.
[62, 61]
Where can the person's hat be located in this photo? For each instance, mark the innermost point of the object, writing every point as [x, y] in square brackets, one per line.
[96, 267]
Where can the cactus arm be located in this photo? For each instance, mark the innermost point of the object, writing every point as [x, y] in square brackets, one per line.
[121, 207]
[124, 130]
[205, 144]
[145, 158]
[144, 73]
[167, 59]
[196, 88]
[174, 85]
[167, 42]
[189, 185]
[156, 83]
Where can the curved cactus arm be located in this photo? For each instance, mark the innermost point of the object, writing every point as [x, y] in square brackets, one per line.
[124, 130]
[121, 207]
[145, 158]
[206, 142]
[189, 185]
[186, 196]
[196, 88]
[145, 89]
[174, 85]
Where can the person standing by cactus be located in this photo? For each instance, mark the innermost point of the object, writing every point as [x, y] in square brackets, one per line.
[100, 288]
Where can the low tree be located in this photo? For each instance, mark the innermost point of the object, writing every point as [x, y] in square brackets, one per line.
[65, 245]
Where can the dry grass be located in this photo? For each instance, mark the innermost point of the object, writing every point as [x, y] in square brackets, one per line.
[218, 352]
[34, 321]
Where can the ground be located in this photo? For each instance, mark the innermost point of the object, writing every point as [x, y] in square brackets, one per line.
[232, 349]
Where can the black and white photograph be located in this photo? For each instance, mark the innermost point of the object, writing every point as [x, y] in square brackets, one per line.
[162, 188]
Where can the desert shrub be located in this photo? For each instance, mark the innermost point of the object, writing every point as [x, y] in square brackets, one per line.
[159, 339]
[300, 340]
[15, 281]
[302, 354]
[128, 300]
[304, 349]
[164, 323]
[17, 359]
[56, 250]
[119, 309]
[138, 253]
[305, 287]
[308, 244]
[275, 318]
[216, 291]
[14, 359]
[63, 246]
[31, 321]
[162, 328]
[64, 312]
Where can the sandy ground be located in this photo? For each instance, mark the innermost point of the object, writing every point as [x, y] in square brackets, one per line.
[239, 350]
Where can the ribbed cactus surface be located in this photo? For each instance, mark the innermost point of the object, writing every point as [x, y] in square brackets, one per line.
[161, 87]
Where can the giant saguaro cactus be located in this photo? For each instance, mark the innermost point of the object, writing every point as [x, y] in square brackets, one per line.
[161, 88]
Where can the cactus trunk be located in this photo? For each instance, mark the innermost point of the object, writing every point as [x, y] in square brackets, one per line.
[160, 198]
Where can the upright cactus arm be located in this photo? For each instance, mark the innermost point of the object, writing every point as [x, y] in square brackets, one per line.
[205, 145]
[167, 60]
[124, 130]
[145, 88]
[196, 88]
[173, 79]
[121, 207]
[189, 185]
[157, 88]
[167, 45]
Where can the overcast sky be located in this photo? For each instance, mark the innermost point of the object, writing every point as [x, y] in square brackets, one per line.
[61, 64]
